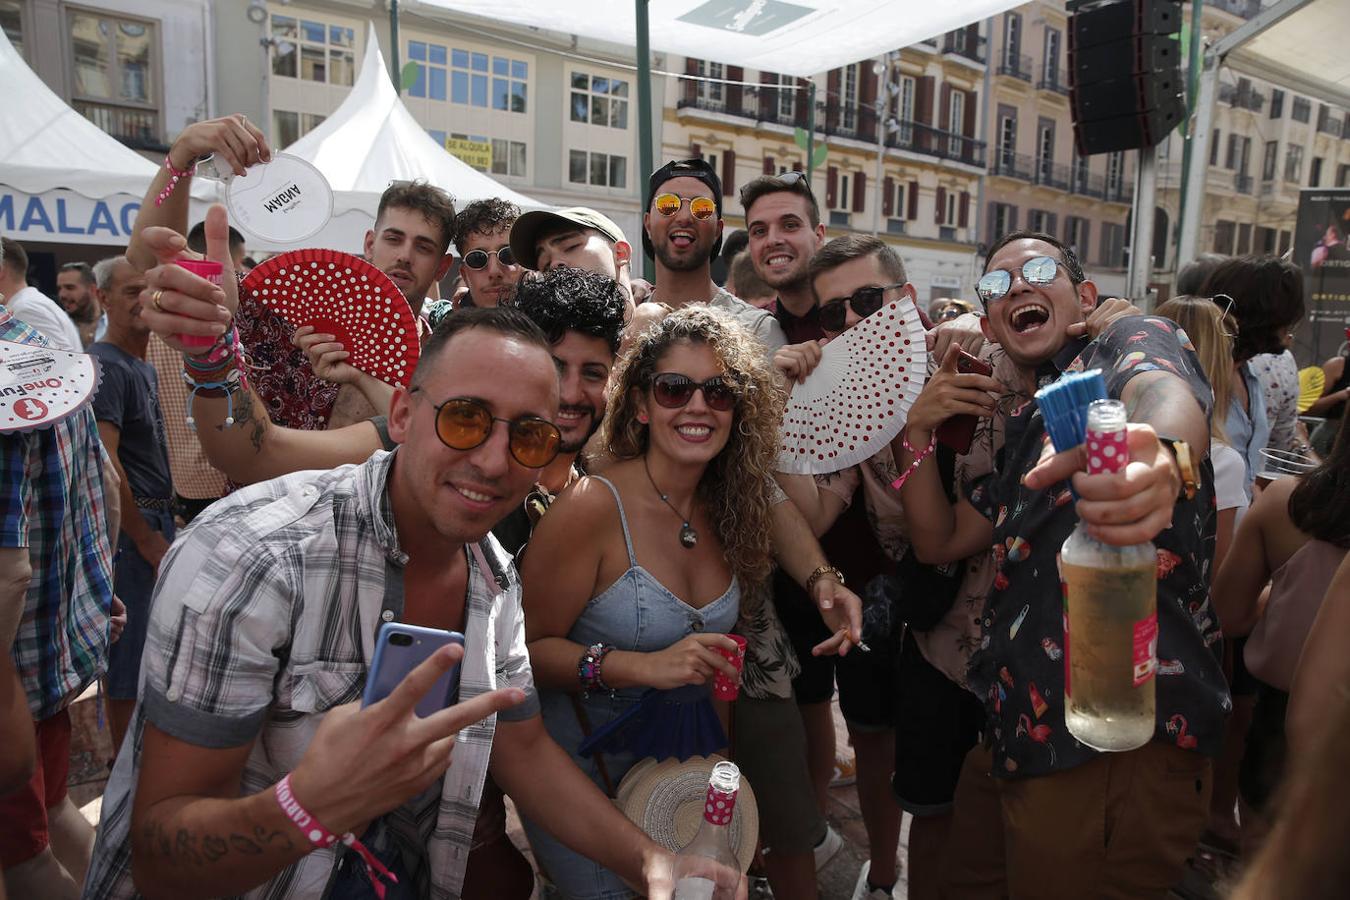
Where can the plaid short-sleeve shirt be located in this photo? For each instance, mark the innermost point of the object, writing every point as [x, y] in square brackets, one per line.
[51, 501]
[265, 617]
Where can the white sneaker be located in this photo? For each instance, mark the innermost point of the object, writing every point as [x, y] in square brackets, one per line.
[828, 847]
[862, 891]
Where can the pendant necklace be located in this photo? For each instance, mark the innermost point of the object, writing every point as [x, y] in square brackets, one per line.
[688, 536]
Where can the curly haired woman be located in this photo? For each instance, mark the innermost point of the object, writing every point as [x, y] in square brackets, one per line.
[675, 529]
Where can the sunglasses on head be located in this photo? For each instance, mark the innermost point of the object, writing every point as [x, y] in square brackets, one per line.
[699, 207]
[478, 259]
[996, 284]
[787, 179]
[833, 316]
[673, 391]
[463, 424]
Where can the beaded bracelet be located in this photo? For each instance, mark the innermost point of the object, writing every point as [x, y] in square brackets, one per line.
[919, 457]
[588, 669]
[175, 176]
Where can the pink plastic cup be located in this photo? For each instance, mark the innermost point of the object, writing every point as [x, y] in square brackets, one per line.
[723, 687]
[213, 272]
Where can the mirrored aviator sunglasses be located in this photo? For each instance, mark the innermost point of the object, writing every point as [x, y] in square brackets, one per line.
[995, 285]
[463, 424]
[674, 391]
[478, 259]
[699, 207]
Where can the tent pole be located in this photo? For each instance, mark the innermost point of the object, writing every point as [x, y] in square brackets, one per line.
[810, 132]
[1192, 86]
[644, 67]
[395, 72]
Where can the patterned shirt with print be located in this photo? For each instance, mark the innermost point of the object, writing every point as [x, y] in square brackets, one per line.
[1019, 669]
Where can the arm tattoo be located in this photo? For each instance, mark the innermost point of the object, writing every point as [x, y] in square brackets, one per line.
[207, 849]
[244, 414]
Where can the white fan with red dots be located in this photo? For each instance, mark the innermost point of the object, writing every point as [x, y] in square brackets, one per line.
[858, 398]
[347, 297]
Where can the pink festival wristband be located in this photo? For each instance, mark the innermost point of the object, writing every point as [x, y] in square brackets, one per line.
[321, 837]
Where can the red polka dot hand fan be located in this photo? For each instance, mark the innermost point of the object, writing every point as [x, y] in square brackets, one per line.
[857, 399]
[347, 297]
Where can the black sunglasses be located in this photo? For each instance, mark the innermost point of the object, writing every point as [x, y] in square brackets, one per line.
[478, 259]
[463, 423]
[833, 316]
[673, 391]
[995, 285]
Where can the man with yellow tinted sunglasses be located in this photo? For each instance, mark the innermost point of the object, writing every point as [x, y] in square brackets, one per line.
[682, 230]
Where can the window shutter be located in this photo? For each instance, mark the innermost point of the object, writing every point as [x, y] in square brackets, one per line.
[1052, 222]
[768, 96]
[734, 91]
[797, 166]
[968, 125]
[888, 196]
[1086, 246]
[940, 207]
[690, 85]
[803, 93]
[729, 173]
[945, 107]
[963, 210]
[695, 151]
[1012, 218]
[833, 90]
[991, 222]
[769, 167]
[867, 99]
[912, 200]
[831, 186]
[859, 192]
[923, 101]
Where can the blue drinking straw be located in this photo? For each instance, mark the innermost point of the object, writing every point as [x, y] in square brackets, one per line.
[1064, 405]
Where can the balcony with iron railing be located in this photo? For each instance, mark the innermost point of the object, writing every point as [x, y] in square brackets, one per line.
[1040, 171]
[1015, 65]
[861, 126]
[959, 43]
[1053, 80]
[1327, 125]
[138, 128]
[1242, 97]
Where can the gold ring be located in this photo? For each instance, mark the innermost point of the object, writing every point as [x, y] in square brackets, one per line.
[154, 300]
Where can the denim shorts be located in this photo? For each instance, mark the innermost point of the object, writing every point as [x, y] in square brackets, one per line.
[134, 584]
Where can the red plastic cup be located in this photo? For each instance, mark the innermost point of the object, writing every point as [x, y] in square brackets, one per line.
[723, 687]
[213, 272]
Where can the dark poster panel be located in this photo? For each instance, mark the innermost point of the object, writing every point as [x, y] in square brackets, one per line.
[1322, 250]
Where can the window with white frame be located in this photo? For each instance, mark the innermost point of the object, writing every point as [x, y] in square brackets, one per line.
[1115, 171]
[600, 169]
[1007, 140]
[1051, 64]
[711, 90]
[11, 22]
[599, 100]
[313, 51]
[898, 208]
[508, 158]
[1293, 163]
[1004, 219]
[288, 127]
[956, 118]
[848, 111]
[903, 107]
[113, 59]
[787, 97]
[469, 78]
[843, 197]
[949, 212]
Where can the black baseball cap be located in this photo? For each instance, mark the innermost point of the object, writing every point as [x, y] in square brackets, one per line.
[684, 168]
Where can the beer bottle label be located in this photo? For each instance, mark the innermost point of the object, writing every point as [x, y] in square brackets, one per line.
[1064, 588]
[1145, 648]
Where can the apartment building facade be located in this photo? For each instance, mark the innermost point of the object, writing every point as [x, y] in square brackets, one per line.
[1036, 179]
[1266, 145]
[904, 157]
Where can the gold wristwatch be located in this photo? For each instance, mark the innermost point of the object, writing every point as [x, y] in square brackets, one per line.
[821, 572]
[1181, 452]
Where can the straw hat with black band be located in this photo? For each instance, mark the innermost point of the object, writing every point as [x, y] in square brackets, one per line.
[665, 799]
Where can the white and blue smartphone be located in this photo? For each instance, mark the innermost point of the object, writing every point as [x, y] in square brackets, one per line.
[401, 648]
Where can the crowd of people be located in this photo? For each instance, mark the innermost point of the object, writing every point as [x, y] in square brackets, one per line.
[216, 539]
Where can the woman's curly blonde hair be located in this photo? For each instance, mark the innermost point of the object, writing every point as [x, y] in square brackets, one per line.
[736, 487]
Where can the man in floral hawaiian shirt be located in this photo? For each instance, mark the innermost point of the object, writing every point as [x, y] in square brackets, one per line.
[1076, 822]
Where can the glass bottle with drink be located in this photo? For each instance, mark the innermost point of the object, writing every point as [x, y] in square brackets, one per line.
[692, 872]
[1110, 615]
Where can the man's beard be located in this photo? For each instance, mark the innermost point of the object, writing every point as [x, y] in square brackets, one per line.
[682, 264]
[597, 418]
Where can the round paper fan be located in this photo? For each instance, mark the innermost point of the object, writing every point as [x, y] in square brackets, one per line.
[857, 399]
[347, 297]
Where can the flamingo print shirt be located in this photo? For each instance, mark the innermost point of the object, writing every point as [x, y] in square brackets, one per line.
[1019, 668]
